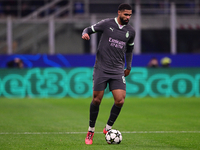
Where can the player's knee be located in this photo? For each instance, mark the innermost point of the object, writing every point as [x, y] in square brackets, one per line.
[119, 102]
[97, 97]
[96, 101]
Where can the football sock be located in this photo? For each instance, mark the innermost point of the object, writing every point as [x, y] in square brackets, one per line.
[91, 129]
[94, 110]
[113, 114]
[108, 127]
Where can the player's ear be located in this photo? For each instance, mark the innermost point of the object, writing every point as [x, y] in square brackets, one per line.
[119, 12]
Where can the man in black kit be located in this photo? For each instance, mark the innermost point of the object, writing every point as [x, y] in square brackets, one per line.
[116, 43]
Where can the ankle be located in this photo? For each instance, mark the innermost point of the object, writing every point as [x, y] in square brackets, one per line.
[91, 129]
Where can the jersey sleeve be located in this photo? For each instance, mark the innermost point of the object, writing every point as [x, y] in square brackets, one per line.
[131, 40]
[98, 27]
[129, 51]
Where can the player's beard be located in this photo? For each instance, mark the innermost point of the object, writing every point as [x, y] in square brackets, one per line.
[124, 22]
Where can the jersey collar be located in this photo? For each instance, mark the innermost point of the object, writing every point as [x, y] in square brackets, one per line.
[120, 26]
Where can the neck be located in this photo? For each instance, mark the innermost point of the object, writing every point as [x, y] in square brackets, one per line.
[119, 22]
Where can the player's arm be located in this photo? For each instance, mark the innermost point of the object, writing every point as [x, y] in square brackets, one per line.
[86, 33]
[93, 29]
[129, 56]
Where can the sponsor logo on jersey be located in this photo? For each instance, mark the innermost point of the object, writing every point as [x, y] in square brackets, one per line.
[116, 43]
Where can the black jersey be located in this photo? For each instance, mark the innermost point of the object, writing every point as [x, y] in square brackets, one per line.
[116, 42]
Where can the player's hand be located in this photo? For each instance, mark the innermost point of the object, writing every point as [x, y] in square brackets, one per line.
[86, 37]
[126, 72]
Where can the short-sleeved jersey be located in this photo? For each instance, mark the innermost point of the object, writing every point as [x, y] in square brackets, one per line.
[115, 39]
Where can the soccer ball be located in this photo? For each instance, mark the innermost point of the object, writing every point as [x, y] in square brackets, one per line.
[113, 136]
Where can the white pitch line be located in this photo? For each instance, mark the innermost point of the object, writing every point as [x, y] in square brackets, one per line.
[128, 132]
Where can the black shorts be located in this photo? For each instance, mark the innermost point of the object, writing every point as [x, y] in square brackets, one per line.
[101, 79]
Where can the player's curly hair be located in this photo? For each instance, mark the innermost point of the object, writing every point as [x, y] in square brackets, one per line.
[124, 6]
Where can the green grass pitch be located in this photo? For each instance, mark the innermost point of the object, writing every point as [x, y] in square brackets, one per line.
[61, 124]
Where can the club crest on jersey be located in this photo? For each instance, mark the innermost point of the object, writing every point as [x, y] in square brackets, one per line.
[127, 34]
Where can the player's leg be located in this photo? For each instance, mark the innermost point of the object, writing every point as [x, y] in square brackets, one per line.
[118, 88]
[119, 96]
[94, 108]
[99, 85]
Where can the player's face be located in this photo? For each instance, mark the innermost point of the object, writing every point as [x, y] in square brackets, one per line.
[124, 16]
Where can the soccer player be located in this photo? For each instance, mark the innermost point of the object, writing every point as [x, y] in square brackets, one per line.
[115, 46]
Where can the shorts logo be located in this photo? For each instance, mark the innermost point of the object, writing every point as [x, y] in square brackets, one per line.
[123, 78]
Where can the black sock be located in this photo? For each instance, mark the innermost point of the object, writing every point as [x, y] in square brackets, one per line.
[94, 110]
[113, 114]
